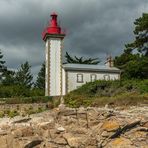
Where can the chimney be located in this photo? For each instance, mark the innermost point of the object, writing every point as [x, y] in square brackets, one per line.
[109, 62]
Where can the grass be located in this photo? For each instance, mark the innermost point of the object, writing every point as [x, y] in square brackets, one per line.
[26, 100]
[100, 93]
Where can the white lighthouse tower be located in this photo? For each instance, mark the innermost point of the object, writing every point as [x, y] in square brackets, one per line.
[53, 37]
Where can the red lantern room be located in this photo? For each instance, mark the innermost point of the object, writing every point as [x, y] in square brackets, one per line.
[53, 28]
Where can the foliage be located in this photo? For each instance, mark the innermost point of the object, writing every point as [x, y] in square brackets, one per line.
[81, 60]
[24, 76]
[34, 111]
[2, 114]
[134, 60]
[141, 35]
[103, 92]
[40, 82]
[2, 66]
[19, 90]
[9, 78]
[27, 100]
[13, 113]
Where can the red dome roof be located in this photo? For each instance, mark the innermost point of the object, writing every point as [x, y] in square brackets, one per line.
[53, 27]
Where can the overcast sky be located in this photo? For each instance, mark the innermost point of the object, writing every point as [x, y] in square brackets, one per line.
[94, 28]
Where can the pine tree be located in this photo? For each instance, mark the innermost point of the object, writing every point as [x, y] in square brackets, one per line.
[81, 60]
[141, 35]
[2, 67]
[24, 76]
[9, 78]
[40, 82]
[135, 64]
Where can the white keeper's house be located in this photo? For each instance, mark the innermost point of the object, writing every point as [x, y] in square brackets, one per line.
[63, 78]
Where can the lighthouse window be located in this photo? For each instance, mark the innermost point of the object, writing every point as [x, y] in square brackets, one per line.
[93, 77]
[106, 77]
[80, 78]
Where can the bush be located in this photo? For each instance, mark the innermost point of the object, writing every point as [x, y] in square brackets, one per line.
[103, 92]
[13, 113]
[26, 100]
[2, 114]
[19, 90]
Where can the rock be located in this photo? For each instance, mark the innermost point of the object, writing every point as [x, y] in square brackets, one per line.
[17, 133]
[65, 127]
[105, 134]
[110, 125]
[62, 107]
[27, 131]
[145, 124]
[125, 128]
[60, 141]
[60, 129]
[78, 130]
[120, 143]
[53, 133]
[3, 132]
[3, 142]
[46, 125]
[72, 141]
[34, 142]
[23, 132]
[22, 120]
[67, 112]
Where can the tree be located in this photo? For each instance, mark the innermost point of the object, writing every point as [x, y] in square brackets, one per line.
[141, 35]
[2, 67]
[135, 64]
[24, 76]
[9, 78]
[40, 82]
[81, 60]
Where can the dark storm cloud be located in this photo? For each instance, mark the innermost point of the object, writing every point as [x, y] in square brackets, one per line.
[94, 28]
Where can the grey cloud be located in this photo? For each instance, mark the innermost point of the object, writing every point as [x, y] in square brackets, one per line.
[93, 27]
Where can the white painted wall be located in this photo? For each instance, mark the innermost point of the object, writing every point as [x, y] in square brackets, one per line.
[53, 67]
[47, 50]
[72, 78]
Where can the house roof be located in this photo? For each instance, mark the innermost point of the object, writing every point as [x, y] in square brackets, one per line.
[90, 67]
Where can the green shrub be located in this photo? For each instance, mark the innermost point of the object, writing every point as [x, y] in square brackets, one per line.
[2, 114]
[26, 100]
[19, 90]
[13, 113]
[103, 92]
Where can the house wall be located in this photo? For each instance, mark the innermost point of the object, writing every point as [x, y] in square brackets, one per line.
[63, 82]
[72, 78]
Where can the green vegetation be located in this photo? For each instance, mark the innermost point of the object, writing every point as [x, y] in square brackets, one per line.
[40, 82]
[17, 86]
[28, 107]
[19, 91]
[34, 111]
[2, 114]
[100, 93]
[134, 60]
[19, 83]
[27, 100]
[23, 76]
[81, 60]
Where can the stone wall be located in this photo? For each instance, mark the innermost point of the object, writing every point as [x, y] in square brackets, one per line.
[77, 128]
[23, 108]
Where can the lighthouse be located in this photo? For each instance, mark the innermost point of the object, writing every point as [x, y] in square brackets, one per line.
[53, 37]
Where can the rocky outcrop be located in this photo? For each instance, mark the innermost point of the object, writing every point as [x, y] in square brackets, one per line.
[65, 127]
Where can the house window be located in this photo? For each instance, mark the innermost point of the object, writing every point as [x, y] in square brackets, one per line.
[93, 77]
[80, 78]
[106, 77]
